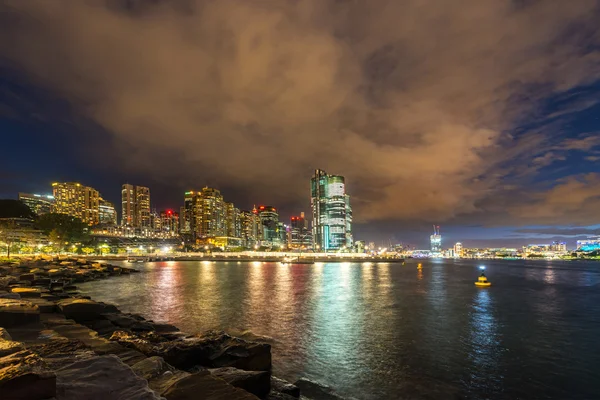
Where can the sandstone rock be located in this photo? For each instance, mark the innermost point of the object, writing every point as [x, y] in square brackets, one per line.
[26, 292]
[211, 350]
[27, 277]
[4, 334]
[44, 305]
[9, 347]
[81, 309]
[256, 382]
[17, 312]
[24, 375]
[165, 328]
[285, 387]
[7, 295]
[45, 282]
[99, 378]
[6, 280]
[151, 367]
[273, 395]
[203, 386]
[313, 390]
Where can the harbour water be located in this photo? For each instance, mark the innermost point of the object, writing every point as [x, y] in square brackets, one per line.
[388, 331]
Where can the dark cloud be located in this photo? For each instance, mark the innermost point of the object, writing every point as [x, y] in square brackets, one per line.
[414, 101]
[559, 231]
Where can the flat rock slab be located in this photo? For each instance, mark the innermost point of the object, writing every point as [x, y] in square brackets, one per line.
[26, 292]
[285, 387]
[81, 309]
[8, 347]
[24, 375]
[101, 378]
[203, 386]
[256, 382]
[17, 312]
[97, 344]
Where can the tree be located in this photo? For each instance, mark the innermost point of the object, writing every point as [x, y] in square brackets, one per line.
[63, 228]
[14, 217]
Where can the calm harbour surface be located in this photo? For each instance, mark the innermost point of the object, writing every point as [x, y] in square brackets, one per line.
[389, 331]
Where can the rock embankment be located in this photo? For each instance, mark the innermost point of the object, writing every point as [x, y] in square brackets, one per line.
[56, 343]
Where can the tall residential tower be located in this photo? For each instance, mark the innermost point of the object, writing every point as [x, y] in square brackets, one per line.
[332, 214]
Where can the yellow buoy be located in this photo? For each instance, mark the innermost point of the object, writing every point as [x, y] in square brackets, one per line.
[419, 266]
[482, 281]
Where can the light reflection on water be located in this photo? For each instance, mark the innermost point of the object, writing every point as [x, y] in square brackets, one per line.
[380, 330]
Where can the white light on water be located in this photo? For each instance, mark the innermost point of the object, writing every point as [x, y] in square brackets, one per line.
[482, 267]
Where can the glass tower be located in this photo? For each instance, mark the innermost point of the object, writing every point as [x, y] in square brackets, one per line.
[332, 214]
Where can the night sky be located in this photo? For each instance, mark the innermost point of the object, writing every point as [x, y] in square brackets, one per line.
[479, 116]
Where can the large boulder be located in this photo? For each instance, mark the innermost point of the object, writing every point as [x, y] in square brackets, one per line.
[285, 387]
[81, 309]
[9, 347]
[256, 382]
[4, 334]
[159, 374]
[203, 386]
[100, 378]
[213, 350]
[26, 292]
[313, 390]
[7, 295]
[17, 312]
[24, 375]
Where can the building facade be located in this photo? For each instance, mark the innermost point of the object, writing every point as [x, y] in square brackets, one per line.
[458, 250]
[107, 214]
[332, 214]
[435, 240]
[38, 203]
[269, 225]
[300, 235]
[250, 228]
[135, 206]
[77, 200]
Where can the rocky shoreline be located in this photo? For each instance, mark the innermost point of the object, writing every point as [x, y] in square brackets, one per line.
[56, 343]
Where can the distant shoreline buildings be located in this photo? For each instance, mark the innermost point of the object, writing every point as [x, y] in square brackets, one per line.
[206, 220]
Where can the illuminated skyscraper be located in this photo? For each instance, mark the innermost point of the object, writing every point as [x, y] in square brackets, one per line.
[436, 240]
[205, 212]
[142, 209]
[458, 250]
[269, 224]
[232, 220]
[76, 200]
[169, 223]
[128, 205]
[332, 214]
[300, 236]
[251, 228]
[39, 204]
[135, 206]
[107, 213]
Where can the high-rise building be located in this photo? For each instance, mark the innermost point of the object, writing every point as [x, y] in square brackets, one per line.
[250, 228]
[169, 223]
[458, 250]
[76, 200]
[233, 223]
[38, 203]
[559, 246]
[106, 212]
[135, 206]
[300, 235]
[142, 207]
[205, 211]
[332, 214]
[269, 224]
[436, 240]
[128, 205]
[186, 214]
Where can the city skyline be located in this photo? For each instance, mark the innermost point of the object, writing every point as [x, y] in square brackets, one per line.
[487, 125]
[422, 238]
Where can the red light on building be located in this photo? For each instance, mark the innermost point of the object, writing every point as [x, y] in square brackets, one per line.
[169, 212]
